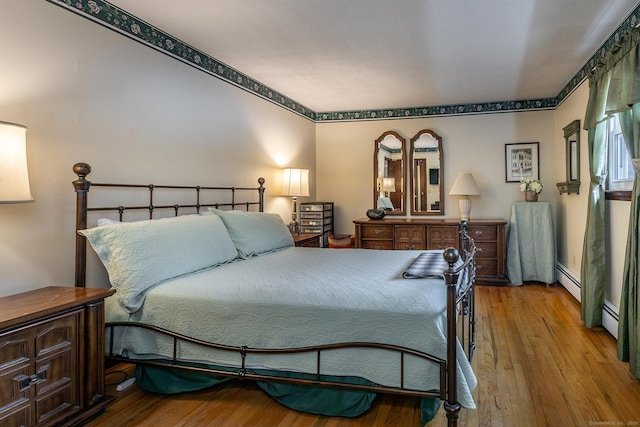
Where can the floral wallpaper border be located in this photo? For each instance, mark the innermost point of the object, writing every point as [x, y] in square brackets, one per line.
[119, 20]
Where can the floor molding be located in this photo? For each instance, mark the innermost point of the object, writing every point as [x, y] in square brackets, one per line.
[571, 283]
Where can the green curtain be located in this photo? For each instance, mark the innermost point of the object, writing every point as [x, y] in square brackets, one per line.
[615, 89]
[592, 274]
[629, 320]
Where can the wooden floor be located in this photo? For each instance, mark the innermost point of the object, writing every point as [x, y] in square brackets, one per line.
[536, 364]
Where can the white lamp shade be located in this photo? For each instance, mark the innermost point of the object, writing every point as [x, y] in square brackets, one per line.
[295, 182]
[388, 184]
[464, 185]
[14, 175]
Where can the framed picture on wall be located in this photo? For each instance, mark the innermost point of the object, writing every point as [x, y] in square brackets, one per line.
[521, 161]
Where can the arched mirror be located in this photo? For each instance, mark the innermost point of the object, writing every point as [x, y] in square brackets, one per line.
[426, 174]
[388, 173]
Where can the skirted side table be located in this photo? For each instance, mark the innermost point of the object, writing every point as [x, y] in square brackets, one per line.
[531, 246]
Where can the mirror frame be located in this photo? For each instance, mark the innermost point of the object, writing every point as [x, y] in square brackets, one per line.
[401, 210]
[572, 153]
[438, 138]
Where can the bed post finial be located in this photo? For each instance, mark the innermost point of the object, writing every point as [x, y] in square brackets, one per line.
[261, 193]
[81, 186]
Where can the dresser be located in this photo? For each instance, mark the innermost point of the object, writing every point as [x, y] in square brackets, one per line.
[421, 234]
[52, 356]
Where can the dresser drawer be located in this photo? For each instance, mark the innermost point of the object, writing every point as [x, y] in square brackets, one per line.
[486, 267]
[486, 249]
[378, 244]
[377, 231]
[482, 232]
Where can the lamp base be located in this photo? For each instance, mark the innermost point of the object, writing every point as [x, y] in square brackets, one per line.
[464, 204]
[294, 225]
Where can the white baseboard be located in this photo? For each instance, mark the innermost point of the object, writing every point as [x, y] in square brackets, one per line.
[571, 283]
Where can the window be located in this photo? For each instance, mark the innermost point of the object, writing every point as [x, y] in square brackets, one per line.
[621, 173]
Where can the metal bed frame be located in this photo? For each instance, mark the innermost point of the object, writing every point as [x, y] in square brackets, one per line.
[460, 301]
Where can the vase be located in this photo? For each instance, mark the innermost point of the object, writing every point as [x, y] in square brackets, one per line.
[531, 196]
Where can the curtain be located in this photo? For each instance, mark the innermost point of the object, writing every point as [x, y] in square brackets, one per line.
[614, 89]
[592, 274]
[629, 320]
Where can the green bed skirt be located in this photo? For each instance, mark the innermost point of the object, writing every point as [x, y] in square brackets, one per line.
[336, 402]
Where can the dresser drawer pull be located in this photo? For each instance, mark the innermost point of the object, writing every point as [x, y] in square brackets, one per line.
[480, 267]
[24, 382]
[479, 250]
[377, 231]
[478, 232]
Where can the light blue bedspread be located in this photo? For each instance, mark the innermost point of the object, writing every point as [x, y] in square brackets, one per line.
[300, 297]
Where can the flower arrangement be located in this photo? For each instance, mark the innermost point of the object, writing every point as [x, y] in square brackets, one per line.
[530, 184]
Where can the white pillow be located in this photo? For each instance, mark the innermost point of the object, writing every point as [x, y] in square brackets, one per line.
[255, 233]
[139, 255]
[108, 221]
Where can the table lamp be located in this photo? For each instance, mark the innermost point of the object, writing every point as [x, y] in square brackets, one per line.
[14, 175]
[388, 185]
[295, 183]
[464, 186]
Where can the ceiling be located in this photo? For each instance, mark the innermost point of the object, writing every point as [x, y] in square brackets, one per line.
[337, 55]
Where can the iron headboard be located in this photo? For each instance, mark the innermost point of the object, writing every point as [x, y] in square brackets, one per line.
[82, 186]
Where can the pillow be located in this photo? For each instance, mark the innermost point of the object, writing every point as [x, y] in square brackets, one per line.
[108, 221]
[139, 255]
[255, 233]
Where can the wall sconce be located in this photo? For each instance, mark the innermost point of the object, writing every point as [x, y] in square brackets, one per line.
[295, 183]
[464, 186]
[14, 175]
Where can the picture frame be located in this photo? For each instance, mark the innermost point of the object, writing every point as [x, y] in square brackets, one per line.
[521, 161]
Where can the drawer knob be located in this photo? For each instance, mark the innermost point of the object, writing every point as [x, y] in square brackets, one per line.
[478, 232]
[377, 231]
[479, 250]
[480, 267]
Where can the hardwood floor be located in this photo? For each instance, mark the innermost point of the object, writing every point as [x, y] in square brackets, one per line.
[536, 364]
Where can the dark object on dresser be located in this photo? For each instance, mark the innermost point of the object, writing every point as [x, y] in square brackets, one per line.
[376, 213]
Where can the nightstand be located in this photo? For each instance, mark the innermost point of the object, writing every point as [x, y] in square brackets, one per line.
[307, 240]
[52, 359]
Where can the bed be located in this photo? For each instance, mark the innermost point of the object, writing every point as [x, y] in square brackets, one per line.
[216, 290]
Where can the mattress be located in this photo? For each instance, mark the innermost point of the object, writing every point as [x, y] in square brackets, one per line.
[300, 297]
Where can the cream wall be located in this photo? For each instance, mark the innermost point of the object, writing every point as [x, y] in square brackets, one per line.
[135, 115]
[571, 210]
[474, 143]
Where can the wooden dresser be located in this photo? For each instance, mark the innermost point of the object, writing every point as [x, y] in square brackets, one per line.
[52, 356]
[421, 234]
